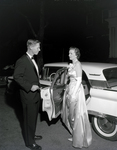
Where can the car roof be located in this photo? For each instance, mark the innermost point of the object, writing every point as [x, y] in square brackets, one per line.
[98, 65]
[57, 64]
[94, 70]
[91, 65]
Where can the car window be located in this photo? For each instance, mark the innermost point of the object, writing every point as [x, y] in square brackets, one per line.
[92, 83]
[60, 79]
[99, 84]
[111, 76]
[49, 72]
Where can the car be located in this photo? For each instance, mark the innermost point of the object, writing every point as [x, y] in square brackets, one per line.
[4, 73]
[100, 85]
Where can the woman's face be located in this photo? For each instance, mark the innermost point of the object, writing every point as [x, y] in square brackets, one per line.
[72, 54]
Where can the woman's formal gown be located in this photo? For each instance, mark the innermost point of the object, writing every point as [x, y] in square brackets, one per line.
[74, 113]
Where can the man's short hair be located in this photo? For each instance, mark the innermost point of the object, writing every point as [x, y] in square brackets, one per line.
[32, 42]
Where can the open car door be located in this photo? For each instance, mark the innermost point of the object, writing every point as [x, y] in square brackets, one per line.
[53, 96]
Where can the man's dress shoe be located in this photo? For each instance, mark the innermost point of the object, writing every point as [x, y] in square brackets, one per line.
[38, 137]
[35, 147]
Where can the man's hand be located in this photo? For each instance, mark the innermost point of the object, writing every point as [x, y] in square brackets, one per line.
[35, 88]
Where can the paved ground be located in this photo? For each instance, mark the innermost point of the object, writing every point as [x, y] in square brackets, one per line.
[54, 133]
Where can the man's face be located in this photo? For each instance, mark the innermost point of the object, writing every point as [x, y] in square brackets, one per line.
[35, 49]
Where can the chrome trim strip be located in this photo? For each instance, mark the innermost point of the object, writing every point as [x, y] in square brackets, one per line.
[108, 117]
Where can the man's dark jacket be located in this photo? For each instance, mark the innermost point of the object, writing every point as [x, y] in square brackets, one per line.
[25, 75]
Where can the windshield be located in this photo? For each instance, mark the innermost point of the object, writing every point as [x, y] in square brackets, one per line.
[111, 76]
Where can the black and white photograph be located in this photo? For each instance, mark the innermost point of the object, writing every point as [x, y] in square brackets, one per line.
[58, 74]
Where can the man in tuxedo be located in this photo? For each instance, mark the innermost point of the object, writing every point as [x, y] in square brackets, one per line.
[26, 75]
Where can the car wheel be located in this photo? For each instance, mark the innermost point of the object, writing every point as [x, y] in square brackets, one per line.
[104, 128]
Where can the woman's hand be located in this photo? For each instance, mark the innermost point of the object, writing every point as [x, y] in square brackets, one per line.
[70, 66]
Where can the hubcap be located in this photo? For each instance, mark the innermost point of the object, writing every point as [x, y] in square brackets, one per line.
[105, 125]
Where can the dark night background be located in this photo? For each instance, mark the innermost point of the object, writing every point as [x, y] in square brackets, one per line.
[58, 24]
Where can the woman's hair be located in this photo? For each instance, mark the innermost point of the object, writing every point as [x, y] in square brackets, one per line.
[32, 42]
[77, 51]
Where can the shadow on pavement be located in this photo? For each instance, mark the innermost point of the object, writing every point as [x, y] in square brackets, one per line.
[13, 101]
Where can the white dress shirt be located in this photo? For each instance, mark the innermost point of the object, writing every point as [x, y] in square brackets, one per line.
[34, 62]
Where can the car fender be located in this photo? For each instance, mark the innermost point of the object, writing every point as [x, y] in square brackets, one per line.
[103, 102]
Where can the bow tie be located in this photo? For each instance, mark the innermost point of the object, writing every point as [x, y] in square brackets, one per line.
[32, 57]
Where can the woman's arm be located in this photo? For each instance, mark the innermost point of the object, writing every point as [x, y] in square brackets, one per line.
[78, 78]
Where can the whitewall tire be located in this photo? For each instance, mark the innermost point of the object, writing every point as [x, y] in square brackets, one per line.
[105, 128]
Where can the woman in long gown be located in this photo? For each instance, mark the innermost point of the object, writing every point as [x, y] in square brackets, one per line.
[74, 112]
